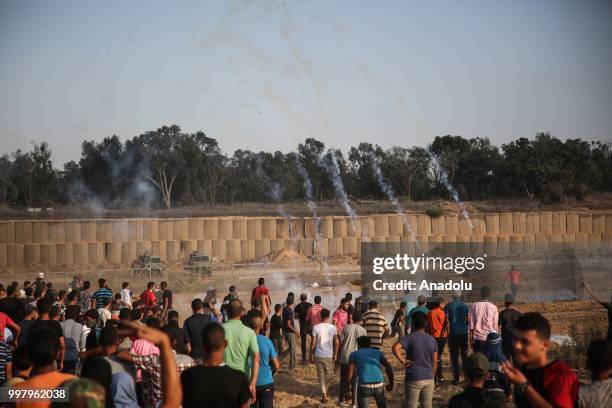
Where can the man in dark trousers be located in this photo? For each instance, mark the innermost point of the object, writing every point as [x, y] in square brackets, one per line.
[289, 332]
[507, 320]
[305, 330]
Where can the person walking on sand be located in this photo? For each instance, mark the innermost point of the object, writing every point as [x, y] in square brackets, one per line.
[483, 319]
[324, 351]
[420, 361]
[262, 294]
[507, 320]
[300, 313]
[457, 315]
[515, 280]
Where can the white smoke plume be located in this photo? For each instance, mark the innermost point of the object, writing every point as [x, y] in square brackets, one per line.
[444, 179]
[275, 190]
[388, 190]
[312, 205]
[331, 165]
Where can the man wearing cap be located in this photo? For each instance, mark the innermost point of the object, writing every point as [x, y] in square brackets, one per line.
[507, 320]
[420, 307]
[457, 316]
[475, 395]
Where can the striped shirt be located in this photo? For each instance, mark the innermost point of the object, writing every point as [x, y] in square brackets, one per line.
[101, 294]
[376, 325]
[6, 355]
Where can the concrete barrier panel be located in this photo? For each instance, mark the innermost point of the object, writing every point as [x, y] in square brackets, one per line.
[211, 228]
[492, 224]
[519, 223]
[506, 223]
[586, 223]
[451, 224]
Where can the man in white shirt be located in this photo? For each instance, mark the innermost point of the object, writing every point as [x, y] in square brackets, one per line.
[325, 348]
[126, 294]
[104, 312]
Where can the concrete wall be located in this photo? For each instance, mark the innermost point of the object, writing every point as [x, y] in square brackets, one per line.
[100, 243]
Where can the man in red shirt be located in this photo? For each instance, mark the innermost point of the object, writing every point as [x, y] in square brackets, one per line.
[313, 314]
[6, 321]
[148, 297]
[261, 295]
[539, 382]
[515, 280]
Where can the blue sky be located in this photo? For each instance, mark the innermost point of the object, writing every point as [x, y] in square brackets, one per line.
[265, 75]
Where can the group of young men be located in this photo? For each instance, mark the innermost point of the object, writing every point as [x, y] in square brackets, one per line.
[124, 350]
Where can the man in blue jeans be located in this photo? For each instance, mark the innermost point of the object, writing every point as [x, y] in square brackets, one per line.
[367, 362]
[268, 362]
[457, 316]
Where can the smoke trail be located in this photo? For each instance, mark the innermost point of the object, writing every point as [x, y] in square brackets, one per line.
[331, 165]
[275, 190]
[312, 205]
[444, 179]
[388, 190]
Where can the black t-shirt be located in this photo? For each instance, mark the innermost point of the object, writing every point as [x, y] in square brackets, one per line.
[12, 307]
[47, 325]
[287, 317]
[507, 320]
[25, 325]
[350, 309]
[276, 324]
[214, 387]
[168, 295]
[181, 338]
[193, 326]
[477, 398]
[300, 311]
[554, 382]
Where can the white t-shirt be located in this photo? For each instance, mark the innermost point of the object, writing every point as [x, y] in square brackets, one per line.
[324, 334]
[126, 297]
[105, 315]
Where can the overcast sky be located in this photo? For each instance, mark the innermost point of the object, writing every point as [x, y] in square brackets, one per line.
[265, 75]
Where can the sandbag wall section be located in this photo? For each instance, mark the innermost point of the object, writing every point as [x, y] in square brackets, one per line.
[100, 243]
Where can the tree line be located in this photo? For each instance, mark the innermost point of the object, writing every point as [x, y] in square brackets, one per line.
[168, 168]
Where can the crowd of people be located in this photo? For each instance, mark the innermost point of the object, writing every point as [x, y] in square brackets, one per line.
[117, 348]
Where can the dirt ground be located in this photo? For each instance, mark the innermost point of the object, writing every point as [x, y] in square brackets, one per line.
[594, 202]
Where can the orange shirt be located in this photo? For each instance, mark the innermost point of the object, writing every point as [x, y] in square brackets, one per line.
[50, 380]
[435, 322]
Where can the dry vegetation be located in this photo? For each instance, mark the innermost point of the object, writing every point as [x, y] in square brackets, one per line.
[594, 202]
